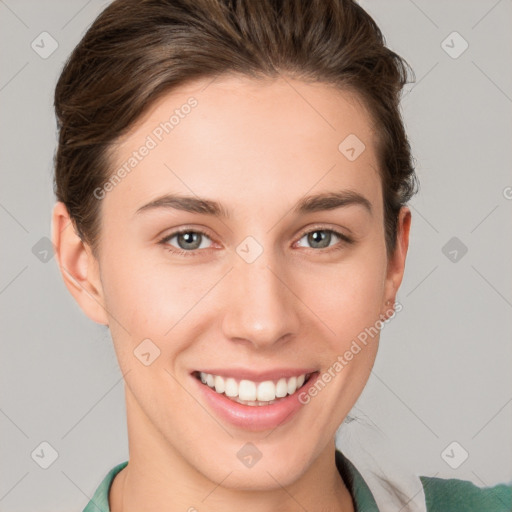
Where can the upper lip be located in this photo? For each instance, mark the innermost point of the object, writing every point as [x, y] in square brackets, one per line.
[251, 374]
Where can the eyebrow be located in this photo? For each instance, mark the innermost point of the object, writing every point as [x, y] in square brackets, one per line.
[309, 204]
[331, 201]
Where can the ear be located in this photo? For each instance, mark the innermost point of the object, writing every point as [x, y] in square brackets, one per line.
[396, 263]
[78, 266]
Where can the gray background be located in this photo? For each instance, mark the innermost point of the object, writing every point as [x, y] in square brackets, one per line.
[443, 369]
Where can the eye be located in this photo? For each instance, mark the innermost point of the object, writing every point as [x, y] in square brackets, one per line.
[321, 238]
[188, 241]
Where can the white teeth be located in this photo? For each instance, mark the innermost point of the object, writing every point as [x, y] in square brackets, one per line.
[292, 385]
[266, 391]
[247, 390]
[220, 385]
[253, 393]
[231, 387]
[281, 388]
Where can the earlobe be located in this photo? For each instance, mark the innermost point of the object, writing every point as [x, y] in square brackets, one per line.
[396, 264]
[78, 266]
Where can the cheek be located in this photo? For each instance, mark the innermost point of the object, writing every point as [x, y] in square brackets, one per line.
[151, 298]
[347, 296]
[349, 303]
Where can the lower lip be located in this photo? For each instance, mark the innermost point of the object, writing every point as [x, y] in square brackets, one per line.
[255, 418]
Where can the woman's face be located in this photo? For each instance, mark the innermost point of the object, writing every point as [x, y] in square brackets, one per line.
[259, 287]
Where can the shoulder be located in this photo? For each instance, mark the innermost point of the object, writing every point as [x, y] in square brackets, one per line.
[441, 494]
[99, 502]
[454, 495]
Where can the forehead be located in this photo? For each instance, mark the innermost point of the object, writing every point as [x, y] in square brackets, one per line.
[265, 140]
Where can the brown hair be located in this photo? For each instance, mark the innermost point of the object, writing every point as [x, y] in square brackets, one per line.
[137, 50]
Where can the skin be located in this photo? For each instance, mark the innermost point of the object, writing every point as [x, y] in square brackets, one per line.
[256, 147]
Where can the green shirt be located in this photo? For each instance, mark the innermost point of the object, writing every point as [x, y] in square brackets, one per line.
[441, 495]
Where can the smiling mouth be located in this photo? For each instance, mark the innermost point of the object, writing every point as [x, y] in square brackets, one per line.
[248, 392]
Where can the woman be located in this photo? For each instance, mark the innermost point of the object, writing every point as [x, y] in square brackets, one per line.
[232, 181]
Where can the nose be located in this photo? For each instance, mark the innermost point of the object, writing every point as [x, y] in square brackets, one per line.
[261, 306]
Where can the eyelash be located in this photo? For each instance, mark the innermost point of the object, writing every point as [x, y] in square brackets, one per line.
[180, 252]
